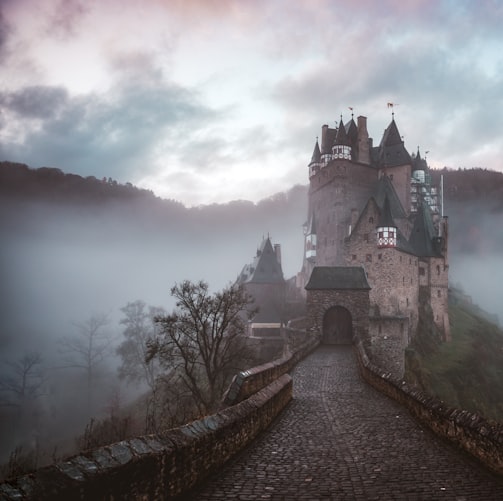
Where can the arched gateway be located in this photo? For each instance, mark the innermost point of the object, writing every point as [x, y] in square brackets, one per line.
[338, 303]
[337, 326]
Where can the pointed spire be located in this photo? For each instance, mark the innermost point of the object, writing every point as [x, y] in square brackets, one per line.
[391, 135]
[316, 158]
[386, 218]
[342, 137]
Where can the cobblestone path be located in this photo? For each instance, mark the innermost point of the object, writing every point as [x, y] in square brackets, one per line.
[341, 439]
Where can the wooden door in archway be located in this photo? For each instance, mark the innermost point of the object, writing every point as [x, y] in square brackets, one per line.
[337, 326]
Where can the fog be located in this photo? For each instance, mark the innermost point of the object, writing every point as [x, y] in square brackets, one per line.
[63, 264]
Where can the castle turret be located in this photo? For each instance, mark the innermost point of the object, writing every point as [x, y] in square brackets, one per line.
[315, 163]
[342, 144]
[386, 229]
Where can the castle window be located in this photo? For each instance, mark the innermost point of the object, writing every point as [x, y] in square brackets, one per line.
[353, 257]
[407, 301]
[439, 293]
[403, 280]
[369, 258]
[391, 177]
[366, 237]
[371, 220]
[422, 272]
[379, 256]
[438, 269]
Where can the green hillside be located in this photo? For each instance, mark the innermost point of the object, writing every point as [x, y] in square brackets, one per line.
[466, 372]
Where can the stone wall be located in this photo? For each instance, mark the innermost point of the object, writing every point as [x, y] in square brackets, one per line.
[479, 437]
[156, 467]
[248, 382]
[355, 301]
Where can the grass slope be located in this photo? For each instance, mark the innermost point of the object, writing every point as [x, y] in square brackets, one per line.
[466, 372]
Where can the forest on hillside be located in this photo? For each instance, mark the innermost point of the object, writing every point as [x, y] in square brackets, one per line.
[76, 250]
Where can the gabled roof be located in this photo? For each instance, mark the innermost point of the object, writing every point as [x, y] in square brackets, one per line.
[265, 269]
[385, 189]
[338, 277]
[316, 158]
[423, 233]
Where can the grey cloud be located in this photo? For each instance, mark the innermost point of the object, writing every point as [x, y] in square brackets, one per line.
[112, 135]
[65, 18]
[35, 101]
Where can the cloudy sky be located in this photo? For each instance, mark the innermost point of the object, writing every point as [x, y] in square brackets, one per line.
[208, 101]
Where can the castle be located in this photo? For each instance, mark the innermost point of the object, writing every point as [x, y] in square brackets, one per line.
[375, 250]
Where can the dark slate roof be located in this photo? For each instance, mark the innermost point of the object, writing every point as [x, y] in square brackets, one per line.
[392, 151]
[386, 218]
[338, 277]
[342, 137]
[352, 132]
[419, 163]
[385, 189]
[423, 233]
[265, 269]
[316, 158]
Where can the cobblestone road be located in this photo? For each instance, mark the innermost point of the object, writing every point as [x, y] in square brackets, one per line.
[341, 439]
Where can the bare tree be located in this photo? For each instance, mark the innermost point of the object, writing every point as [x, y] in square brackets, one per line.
[139, 328]
[203, 339]
[24, 382]
[88, 348]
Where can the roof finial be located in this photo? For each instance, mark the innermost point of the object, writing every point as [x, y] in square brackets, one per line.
[352, 114]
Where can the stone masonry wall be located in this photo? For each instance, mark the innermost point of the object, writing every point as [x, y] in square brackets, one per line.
[355, 301]
[156, 467]
[481, 438]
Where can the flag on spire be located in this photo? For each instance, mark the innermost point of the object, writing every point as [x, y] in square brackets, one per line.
[390, 105]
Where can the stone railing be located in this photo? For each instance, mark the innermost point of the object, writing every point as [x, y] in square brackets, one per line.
[248, 382]
[479, 437]
[156, 467]
[169, 465]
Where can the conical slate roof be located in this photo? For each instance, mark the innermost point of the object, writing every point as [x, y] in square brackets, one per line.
[386, 219]
[316, 158]
[392, 151]
[342, 137]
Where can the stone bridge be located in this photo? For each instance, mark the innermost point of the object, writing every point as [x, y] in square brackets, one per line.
[338, 438]
[341, 439]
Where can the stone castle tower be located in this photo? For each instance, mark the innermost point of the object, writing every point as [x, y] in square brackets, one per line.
[375, 230]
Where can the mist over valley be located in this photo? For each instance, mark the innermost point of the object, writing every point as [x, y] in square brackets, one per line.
[74, 249]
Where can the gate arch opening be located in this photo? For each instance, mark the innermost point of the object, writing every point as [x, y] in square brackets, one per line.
[337, 326]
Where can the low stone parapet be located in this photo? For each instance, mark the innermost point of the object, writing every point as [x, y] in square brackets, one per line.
[156, 467]
[476, 435]
[248, 382]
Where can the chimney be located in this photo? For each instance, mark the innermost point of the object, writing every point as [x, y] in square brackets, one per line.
[277, 251]
[363, 141]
